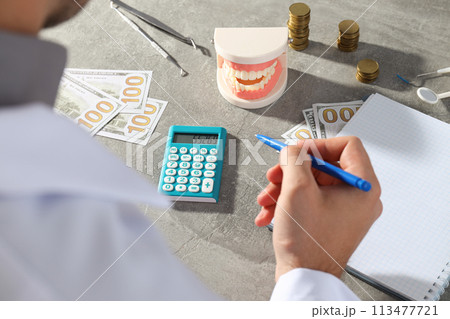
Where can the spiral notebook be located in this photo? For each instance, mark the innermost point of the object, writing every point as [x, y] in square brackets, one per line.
[407, 251]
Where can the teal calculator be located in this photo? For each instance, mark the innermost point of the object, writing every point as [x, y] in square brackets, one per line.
[193, 162]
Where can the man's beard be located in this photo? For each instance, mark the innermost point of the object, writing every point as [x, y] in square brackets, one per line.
[65, 10]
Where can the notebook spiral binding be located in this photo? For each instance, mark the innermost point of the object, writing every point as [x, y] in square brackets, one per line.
[440, 284]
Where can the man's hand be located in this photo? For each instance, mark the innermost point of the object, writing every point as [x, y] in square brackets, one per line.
[319, 220]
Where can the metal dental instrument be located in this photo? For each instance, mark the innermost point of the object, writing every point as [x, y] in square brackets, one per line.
[152, 42]
[417, 82]
[440, 71]
[155, 22]
[427, 95]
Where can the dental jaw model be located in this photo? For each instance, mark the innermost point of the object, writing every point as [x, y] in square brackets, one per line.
[251, 65]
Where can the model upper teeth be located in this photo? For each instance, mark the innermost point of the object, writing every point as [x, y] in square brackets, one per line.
[236, 75]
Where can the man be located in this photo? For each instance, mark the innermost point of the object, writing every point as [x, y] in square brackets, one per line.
[67, 221]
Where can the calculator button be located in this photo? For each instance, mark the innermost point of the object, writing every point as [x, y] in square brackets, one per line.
[171, 172]
[194, 189]
[195, 180]
[193, 151]
[209, 174]
[173, 150]
[173, 157]
[186, 158]
[167, 187]
[182, 180]
[197, 165]
[207, 185]
[196, 173]
[183, 150]
[210, 166]
[211, 159]
[199, 158]
[185, 165]
[183, 172]
[203, 151]
[169, 179]
[180, 188]
[172, 165]
[213, 151]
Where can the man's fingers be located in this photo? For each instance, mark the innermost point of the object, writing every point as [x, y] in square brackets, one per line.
[296, 166]
[269, 195]
[275, 174]
[331, 149]
[265, 216]
[323, 179]
[350, 153]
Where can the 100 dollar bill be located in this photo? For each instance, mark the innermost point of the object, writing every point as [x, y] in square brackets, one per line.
[130, 87]
[330, 118]
[309, 118]
[135, 128]
[89, 107]
[299, 132]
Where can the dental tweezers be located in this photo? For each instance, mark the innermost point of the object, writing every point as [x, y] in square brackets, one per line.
[155, 23]
[149, 38]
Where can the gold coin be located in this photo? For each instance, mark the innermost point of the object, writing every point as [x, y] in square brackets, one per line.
[295, 34]
[366, 73]
[363, 80]
[348, 27]
[299, 9]
[345, 45]
[298, 25]
[354, 37]
[297, 29]
[299, 19]
[347, 41]
[371, 71]
[299, 47]
[295, 17]
[369, 77]
[299, 41]
[367, 66]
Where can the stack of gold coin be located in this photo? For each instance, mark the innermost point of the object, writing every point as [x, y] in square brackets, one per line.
[348, 36]
[298, 25]
[367, 71]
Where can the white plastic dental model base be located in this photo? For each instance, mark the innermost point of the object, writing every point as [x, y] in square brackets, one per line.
[251, 65]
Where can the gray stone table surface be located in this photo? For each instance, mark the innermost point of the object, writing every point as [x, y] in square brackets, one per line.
[220, 242]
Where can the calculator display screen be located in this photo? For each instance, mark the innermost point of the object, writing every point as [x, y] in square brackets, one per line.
[195, 138]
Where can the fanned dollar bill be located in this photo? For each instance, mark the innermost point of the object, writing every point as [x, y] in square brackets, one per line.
[309, 118]
[89, 107]
[330, 118]
[130, 87]
[299, 132]
[135, 128]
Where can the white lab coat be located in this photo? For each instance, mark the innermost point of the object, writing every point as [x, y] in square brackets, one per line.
[67, 220]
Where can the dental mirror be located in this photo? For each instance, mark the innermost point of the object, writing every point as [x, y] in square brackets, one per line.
[428, 96]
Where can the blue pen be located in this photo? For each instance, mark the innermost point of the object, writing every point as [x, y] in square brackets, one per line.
[323, 166]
